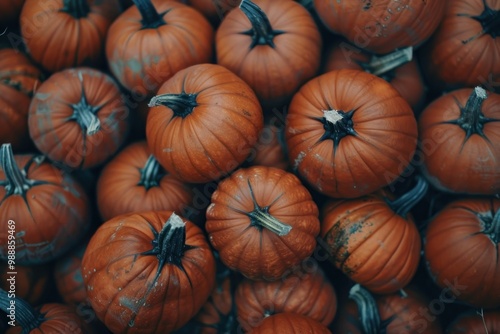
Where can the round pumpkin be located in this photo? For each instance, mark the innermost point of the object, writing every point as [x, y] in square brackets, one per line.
[349, 133]
[273, 45]
[475, 322]
[382, 26]
[78, 118]
[203, 123]
[60, 34]
[31, 282]
[262, 221]
[151, 41]
[36, 195]
[136, 177]
[460, 142]
[290, 323]
[462, 244]
[10, 11]
[148, 272]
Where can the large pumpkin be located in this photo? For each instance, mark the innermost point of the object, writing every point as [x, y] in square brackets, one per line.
[349, 133]
[460, 140]
[148, 272]
[290, 323]
[475, 322]
[78, 117]
[203, 123]
[262, 221]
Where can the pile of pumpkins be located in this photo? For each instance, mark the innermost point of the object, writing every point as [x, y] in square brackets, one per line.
[250, 166]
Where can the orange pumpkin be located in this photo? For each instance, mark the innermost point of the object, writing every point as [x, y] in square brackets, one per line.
[290, 323]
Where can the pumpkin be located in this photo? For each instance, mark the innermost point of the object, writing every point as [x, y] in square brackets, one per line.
[460, 131]
[289, 323]
[461, 244]
[273, 45]
[141, 184]
[203, 123]
[382, 26]
[464, 50]
[36, 195]
[151, 41]
[270, 149]
[475, 322]
[355, 230]
[60, 34]
[30, 282]
[307, 293]
[78, 118]
[10, 11]
[214, 10]
[148, 272]
[262, 221]
[68, 276]
[18, 79]
[349, 133]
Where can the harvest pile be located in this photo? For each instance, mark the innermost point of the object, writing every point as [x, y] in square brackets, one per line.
[255, 166]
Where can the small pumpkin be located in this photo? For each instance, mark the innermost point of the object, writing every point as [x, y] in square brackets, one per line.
[349, 133]
[262, 221]
[35, 194]
[78, 118]
[60, 34]
[203, 123]
[148, 272]
[460, 131]
[475, 322]
[151, 41]
[462, 244]
[290, 323]
[30, 282]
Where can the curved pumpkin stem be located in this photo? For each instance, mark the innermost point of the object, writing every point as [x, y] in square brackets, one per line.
[262, 32]
[151, 19]
[22, 313]
[16, 181]
[406, 202]
[383, 64]
[492, 227]
[76, 8]
[84, 114]
[367, 308]
[181, 104]
[151, 174]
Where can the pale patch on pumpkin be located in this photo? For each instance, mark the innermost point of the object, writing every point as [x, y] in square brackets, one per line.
[332, 116]
[299, 159]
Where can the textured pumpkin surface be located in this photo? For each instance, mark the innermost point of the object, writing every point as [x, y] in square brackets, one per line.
[475, 323]
[289, 323]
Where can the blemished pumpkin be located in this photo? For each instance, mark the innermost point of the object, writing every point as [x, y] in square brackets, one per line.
[462, 244]
[148, 272]
[475, 322]
[262, 221]
[78, 118]
[290, 323]
[154, 39]
[273, 45]
[35, 194]
[349, 133]
[61, 34]
[460, 142]
[203, 122]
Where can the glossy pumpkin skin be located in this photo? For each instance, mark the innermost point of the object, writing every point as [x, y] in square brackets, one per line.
[123, 263]
[10, 10]
[78, 118]
[464, 50]
[243, 214]
[68, 276]
[275, 70]
[473, 323]
[461, 244]
[60, 34]
[184, 136]
[349, 133]
[142, 59]
[18, 79]
[134, 182]
[31, 281]
[304, 293]
[451, 142]
[382, 26]
[289, 323]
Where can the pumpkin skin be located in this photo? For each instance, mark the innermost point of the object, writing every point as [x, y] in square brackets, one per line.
[31, 281]
[349, 133]
[262, 221]
[60, 34]
[473, 323]
[68, 276]
[18, 79]
[289, 323]
[303, 293]
[135, 177]
[461, 244]
[270, 149]
[275, 63]
[78, 118]
[193, 106]
[142, 55]
[383, 26]
[460, 131]
[464, 50]
[50, 198]
[171, 272]
[10, 11]
[214, 10]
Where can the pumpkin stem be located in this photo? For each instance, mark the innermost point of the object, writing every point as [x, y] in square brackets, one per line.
[181, 104]
[367, 308]
[76, 8]
[151, 174]
[492, 227]
[151, 19]
[489, 20]
[171, 242]
[262, 32]
[383, 64]
[337, 125]
[25, 314]
[16, 181]
[406, 202]
[85, 114]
